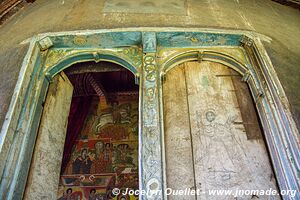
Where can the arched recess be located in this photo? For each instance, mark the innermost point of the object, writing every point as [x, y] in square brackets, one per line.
[18, 132]
[198, 55]
[20, 153]
[90, 56]
[280, 137]
[107, 88]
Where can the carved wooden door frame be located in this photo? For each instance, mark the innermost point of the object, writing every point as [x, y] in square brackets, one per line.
[148, 53]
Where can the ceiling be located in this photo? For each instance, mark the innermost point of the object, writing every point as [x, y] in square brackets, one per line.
[102, 78]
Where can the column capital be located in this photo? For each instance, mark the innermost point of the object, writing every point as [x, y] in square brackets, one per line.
[149, 42]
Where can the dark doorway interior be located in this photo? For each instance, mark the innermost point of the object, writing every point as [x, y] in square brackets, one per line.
[101, 148]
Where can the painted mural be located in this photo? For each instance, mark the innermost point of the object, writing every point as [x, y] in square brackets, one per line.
[105, 156]
[205, 127]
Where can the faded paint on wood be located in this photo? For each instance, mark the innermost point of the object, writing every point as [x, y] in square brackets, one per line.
[179, 159]
[224, 157]
[248, 112]
[44, 173]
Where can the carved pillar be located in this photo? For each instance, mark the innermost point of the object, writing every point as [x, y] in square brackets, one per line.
[151, 163]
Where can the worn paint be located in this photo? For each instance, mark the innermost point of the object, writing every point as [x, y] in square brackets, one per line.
[222, 155]
[280, 130]
[44, 172]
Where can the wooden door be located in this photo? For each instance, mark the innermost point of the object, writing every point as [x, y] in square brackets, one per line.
[213, 139]
[43, 179]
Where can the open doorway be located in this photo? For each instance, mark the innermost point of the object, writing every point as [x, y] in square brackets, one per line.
[101, 149]
[101, 146]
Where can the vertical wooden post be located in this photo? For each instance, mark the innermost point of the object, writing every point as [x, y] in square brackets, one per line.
[43, 179]
[151, 162]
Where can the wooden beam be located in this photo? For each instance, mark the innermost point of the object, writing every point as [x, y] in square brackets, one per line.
[290, 3]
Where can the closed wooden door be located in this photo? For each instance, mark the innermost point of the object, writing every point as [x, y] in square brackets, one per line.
[213, 140]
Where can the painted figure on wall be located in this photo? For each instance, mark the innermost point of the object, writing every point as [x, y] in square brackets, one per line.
[98, 162]
[219, 138]
[82, 164]
[95, 196]
[69, 195]
[105, 154]
[116, 123]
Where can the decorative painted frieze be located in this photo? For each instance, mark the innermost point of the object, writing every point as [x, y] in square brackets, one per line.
[151, 145]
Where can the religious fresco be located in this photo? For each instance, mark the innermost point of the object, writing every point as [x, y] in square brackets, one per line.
[105, 155]
[205, 129]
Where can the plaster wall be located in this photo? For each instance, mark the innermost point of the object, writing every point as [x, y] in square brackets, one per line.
[280, 23]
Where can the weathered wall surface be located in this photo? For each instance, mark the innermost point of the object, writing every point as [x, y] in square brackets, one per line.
[280, 23]
[10, 62]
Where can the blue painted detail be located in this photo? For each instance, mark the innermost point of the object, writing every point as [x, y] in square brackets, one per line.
[285, 168]
[23, 161]
[89, 56]
[292, 145]
[36, 113]
[164, 39]
[195, 39]
[100, 40]
[149, 42]
[226, 60]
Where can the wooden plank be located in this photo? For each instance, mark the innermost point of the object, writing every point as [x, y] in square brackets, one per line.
[224, 157]
[179, 161]
[247, 108]
[7, 5]
[45, 167]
